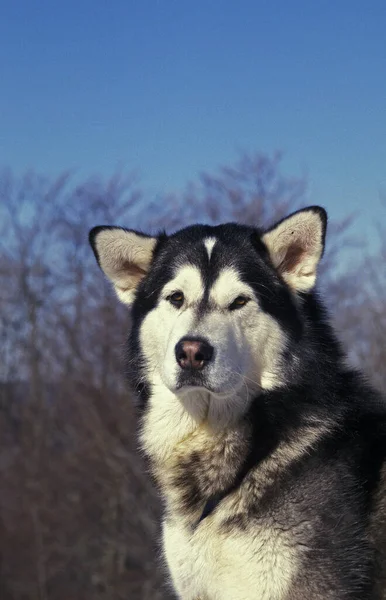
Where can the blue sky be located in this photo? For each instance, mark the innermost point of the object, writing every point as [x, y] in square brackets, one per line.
[174, 87]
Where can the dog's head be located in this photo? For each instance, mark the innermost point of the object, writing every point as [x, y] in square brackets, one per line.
[214, 309]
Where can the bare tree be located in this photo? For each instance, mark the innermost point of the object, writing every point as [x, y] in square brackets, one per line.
[363, 311]
[78, 512]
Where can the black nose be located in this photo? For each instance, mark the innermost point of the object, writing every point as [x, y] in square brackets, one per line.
[193, 353]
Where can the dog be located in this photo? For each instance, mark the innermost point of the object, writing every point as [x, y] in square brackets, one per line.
[267, 448]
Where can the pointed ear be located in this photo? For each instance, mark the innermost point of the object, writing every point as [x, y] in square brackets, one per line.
[124, 256]
[296, 245]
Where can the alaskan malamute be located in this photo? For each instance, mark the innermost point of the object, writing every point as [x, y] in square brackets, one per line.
[268, 450]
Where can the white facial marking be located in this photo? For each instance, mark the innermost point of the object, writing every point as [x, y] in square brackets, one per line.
[189, 281]
[165, 325]
[209, 244]
[248, 345]
[227, 287]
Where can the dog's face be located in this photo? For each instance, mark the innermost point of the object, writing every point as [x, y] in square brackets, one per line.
[214, 308]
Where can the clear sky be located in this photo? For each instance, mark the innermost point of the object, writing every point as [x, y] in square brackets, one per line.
[173, 87]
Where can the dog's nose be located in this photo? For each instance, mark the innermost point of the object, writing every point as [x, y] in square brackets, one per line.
[193, 353]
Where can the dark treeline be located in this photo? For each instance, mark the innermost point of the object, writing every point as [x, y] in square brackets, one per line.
[78, 515]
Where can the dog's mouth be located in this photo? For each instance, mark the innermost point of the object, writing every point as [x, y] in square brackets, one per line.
[191, 380]
[188, 385]
[188, 382]
[221, 384]
[186, 390]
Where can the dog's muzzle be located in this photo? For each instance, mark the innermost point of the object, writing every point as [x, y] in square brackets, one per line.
[193, 355]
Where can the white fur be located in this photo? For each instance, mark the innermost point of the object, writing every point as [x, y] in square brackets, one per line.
[209, 244]
[248, 344]
[187, 280]
[227, 287]
[209, 565]
[167, 422]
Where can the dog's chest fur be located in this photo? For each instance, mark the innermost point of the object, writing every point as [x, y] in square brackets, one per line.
[219, 557]
[212, 563]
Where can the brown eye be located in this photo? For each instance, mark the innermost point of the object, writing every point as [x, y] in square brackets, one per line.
[177, 299]
[238, 302]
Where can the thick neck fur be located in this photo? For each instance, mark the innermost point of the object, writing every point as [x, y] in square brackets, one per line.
[198, 447]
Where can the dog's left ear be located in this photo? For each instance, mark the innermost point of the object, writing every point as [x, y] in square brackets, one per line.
[296, 245]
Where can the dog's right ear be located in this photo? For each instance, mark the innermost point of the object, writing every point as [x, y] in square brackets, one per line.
[124, 256]
[296, 245]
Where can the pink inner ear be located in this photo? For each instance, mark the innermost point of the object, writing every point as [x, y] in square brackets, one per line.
[133, 269]
[129, 273]
[292, 258]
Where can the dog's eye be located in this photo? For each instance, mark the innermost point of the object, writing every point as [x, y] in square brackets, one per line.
[238, 302]
[177, 299]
